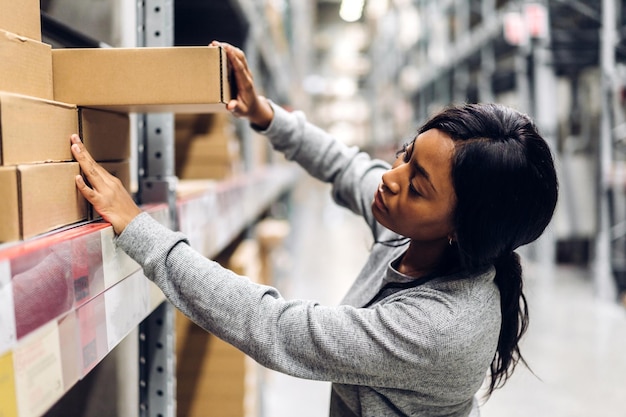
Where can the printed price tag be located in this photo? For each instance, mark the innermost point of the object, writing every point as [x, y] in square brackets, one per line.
[38, 371]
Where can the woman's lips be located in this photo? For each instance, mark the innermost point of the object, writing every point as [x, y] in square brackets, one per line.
[378, 200]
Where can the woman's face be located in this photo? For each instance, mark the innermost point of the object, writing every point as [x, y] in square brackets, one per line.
[416, 198]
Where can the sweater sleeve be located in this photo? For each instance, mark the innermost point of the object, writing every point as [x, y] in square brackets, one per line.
[396, 344]
[353, 174]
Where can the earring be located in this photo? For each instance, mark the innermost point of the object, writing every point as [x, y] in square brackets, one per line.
[450, 241]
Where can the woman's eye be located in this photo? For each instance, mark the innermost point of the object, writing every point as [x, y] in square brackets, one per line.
[413, 190]
[402, 150]
[405, 152]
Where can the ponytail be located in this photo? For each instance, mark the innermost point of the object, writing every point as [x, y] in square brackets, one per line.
[514, 319]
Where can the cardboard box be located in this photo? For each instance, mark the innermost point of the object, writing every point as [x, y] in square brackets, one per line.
[21, 17]
[35, 130]
[174, 79]
[9, 205]
[120, 170]
[25, 66]
[106, 134]
[38, 198]
[213, 149]
[209, 146]
[208, 169]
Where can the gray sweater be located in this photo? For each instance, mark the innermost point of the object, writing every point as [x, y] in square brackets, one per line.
[415, 350]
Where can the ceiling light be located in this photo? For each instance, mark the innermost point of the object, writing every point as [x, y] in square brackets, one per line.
[351, 10]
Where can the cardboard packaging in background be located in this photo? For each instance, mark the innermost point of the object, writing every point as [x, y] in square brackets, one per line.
[206, 147]
[38, 198]
[174, 79]
[35, 130]
[106, 134]
[21, 17]
[208, 169]
[25, 66]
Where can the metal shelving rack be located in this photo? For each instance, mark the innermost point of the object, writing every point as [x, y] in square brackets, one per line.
[129, 369]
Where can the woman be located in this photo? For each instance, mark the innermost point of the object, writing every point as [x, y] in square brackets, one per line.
[438, 303]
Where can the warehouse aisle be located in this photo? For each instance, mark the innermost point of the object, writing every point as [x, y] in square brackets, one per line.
[575, 343]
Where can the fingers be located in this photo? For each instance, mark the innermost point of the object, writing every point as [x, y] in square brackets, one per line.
[84, 189]
[238, 62]
[241, 105]
[90, 168]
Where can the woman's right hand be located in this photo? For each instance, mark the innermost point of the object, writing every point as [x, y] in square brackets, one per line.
[248, 103]
[106, 193]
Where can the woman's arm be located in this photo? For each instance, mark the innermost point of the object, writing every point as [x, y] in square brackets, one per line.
[354, 175]
[395, 344]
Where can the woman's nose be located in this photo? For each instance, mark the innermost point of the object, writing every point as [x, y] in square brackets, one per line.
[389, 181]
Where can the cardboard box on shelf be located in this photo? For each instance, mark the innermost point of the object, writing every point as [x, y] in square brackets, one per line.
[37, 198]
[21, 17]
[120, 170]
[208, 169]
[9, 205]
[106, 134]
[35, 130]
[188, 125]
[168, 79]
[25, 66]
[271, 235]
[208, 146]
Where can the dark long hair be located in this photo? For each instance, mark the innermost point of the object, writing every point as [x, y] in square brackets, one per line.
[506, 187]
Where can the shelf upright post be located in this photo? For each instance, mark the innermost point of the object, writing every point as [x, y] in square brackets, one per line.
[461, 72]
[157, 184]
[487, 57]
[544, 110]
[603, 280]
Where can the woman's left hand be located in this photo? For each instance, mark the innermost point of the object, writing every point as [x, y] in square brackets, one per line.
[106, 194]
[248, 103]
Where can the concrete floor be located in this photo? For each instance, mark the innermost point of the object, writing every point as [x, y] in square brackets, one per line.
[575, 345]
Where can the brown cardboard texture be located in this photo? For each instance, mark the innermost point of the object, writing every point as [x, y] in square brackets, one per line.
[9, 205]
[106, 134]
[169, 79]
[25, 66]
[218, 147]
[35, 130]
[208, 169]
[120, 170]
[45, 196]
[21, 17]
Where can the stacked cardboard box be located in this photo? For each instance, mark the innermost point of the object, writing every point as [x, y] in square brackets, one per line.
[106, 136]
[37, 191]
[104, 85]
[206, 147]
